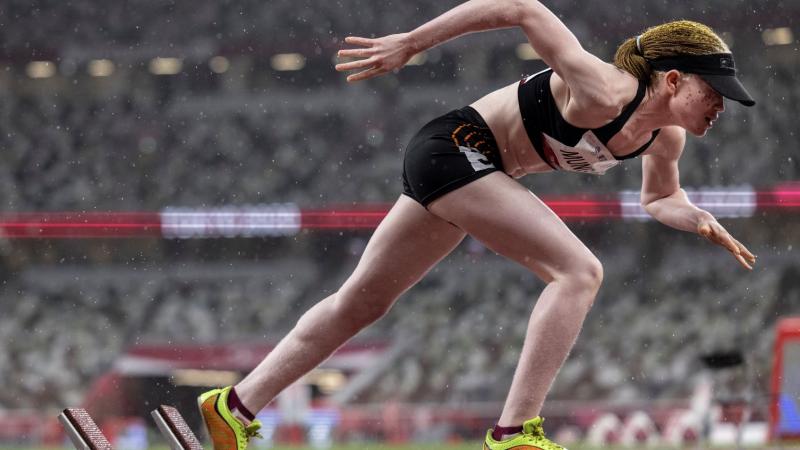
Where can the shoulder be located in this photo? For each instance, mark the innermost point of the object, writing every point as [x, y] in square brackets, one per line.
[669, 143]
[598, 95]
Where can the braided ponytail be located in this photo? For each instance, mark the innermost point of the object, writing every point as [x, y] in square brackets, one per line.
[631, 60]
[681, 37]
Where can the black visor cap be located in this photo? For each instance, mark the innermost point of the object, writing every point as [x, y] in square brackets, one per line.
[729, 87]
[718, 70]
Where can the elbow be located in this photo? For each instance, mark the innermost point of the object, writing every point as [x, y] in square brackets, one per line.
[522, 12]
[645, 199]
[654, 210]
[648, 208]
[649, 204]
[652, 203]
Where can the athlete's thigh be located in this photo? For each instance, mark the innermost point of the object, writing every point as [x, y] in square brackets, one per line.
[513, 222]
[404, 247]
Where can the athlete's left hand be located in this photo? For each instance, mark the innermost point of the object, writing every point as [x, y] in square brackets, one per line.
[716, 233]
[381, 55]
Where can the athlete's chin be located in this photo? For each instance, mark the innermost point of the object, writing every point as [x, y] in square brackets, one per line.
[698, 132]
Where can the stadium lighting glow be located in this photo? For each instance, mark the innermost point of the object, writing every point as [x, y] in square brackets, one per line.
[289, 219]
[40, 69]
[165, 66]
[100, 67]
[219, 64]
[197, 377]
[288, 61]
[418, 59]
[778, 36]
[526, 53]
[328, 381]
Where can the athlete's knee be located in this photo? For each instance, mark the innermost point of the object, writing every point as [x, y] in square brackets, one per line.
[585, 274]
[593, 273]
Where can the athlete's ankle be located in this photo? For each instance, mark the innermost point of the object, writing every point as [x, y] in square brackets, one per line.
[502, 433]
[238, 409]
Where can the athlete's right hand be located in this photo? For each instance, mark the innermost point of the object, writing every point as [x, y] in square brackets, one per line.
[716, 233]
[381, 55]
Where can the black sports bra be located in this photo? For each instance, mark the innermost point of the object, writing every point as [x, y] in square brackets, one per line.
[562, 145]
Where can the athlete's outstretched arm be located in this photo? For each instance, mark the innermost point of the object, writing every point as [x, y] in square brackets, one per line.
[663, 198]
[551, 39]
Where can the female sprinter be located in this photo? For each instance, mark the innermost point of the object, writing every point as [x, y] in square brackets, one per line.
[581, 115]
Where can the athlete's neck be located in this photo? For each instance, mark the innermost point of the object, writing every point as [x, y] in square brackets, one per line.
[653, 113]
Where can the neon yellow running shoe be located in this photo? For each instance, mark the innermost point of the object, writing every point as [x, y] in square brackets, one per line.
[532, 438]
[226, 431]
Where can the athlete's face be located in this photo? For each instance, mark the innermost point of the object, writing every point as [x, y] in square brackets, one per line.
[696, 104]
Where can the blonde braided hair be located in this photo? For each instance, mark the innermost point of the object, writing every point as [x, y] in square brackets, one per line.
[681, 37]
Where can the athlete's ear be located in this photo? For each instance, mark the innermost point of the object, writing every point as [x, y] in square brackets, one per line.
[671, 79]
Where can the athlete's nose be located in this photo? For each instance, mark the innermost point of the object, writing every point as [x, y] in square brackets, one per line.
[720, 105]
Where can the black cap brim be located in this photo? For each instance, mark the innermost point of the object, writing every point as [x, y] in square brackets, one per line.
[729, 87]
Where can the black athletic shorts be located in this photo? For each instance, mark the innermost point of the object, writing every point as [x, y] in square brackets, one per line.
[447, 153]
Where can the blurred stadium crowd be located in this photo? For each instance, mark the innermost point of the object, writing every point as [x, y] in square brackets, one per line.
[128, 151]
[652, 322]
[134, 141]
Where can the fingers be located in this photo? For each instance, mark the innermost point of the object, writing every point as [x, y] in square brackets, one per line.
[730, 243]
[745, 252]
[360, 64]
[359, 41]
[354, 52]
[742, 254]
[717, 234]
[367, 63]
[734, 247]
[379, 55]
[743, 262]
[372, 71]
[375, 71]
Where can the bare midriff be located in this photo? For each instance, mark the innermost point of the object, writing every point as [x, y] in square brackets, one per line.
[500, 110]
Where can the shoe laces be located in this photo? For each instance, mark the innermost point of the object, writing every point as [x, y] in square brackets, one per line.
[535, 429]
[251, 431]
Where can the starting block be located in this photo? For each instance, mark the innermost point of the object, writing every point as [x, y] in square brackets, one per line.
[82, 430]
[86, 435]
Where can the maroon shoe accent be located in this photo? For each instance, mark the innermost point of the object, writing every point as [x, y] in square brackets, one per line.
[234, 404]
[498, 432]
